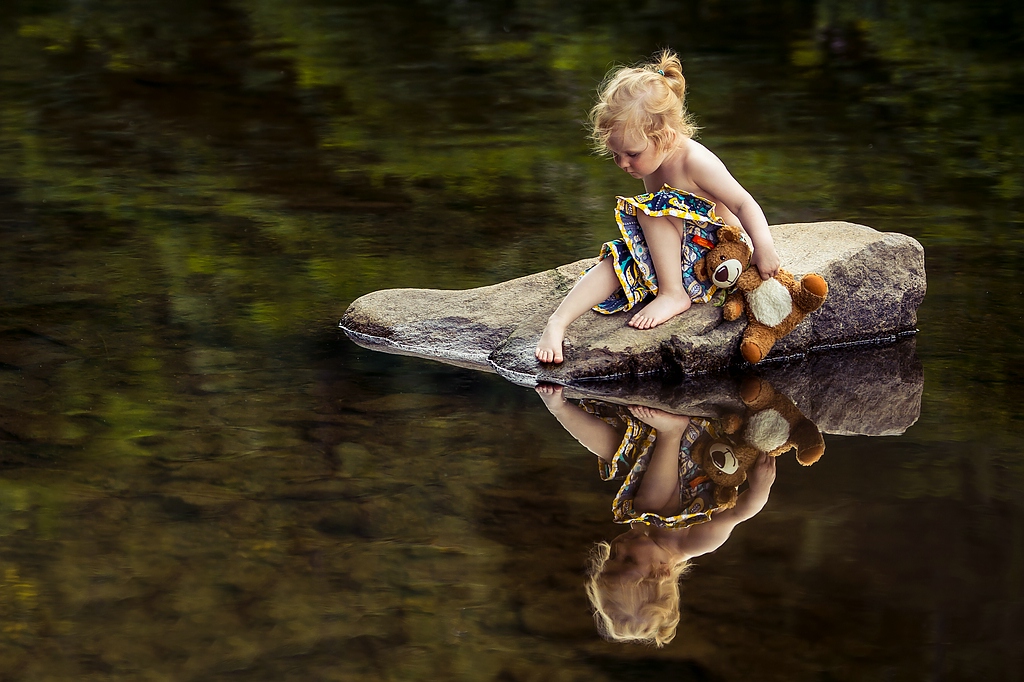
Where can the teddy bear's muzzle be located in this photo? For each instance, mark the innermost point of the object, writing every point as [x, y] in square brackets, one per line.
[727, 274]
[724, 458]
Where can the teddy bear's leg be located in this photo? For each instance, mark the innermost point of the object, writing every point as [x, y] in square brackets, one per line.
[757, 342]
[733, 307]
[810, 445]
[812, 292]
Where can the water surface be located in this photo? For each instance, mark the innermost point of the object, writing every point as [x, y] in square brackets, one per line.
[202, 480]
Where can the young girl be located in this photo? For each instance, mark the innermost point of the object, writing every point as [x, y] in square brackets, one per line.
[640, 119]
[633, 581]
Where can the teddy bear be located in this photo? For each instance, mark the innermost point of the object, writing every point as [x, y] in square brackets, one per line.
[774, 307]
[771, 424]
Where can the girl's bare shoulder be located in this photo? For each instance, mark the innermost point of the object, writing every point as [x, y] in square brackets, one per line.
[696, 156]
[686, 164]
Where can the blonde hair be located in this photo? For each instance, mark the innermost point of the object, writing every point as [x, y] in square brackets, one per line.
[646, 101]
[644, 611]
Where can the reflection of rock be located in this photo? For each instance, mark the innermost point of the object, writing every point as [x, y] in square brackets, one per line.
[876, 282]
[862, 391]
[873, 391]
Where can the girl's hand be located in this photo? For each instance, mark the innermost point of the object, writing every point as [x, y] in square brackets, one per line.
[767, 262]
[762, 474]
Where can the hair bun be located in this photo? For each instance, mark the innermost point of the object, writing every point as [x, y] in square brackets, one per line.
[647, 100]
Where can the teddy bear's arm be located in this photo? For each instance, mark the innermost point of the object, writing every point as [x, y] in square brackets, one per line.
[749, 280]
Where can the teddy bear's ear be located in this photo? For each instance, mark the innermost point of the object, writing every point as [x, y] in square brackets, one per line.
[728, 233]
[725, 497]
[700, 270]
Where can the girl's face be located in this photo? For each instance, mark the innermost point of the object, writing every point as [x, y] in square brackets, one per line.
[635, 154]
[634, 556]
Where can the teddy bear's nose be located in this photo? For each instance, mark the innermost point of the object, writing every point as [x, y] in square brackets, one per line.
[727, 273]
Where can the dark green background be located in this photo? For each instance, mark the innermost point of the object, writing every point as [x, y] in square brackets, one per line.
[202, 480]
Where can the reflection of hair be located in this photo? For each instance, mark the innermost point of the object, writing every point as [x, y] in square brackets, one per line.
[646, 611]
[647, 101]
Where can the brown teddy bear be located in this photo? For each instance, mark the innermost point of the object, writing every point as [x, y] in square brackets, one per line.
[771, 424]
[775, 425]
[774, 307]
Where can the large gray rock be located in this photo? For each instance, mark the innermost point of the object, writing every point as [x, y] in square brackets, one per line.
[876, 282]
[460, 327]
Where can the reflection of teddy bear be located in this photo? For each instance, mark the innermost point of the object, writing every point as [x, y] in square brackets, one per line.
[774, 307]
[772, 424]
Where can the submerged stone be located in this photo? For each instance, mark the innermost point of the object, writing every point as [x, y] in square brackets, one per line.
[876, 283]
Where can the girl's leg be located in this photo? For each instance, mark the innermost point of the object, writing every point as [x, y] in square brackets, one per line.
[664, 239]
[593, 433]
[659, 489]
[599, 283]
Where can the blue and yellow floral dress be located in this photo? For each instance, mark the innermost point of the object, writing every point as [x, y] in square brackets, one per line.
[632, 258]
[630, 462]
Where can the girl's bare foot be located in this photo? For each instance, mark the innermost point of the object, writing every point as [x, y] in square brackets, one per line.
[549, 348]
[659, 419]
[663, 308]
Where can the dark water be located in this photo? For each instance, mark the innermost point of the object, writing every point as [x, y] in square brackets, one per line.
[202, 480]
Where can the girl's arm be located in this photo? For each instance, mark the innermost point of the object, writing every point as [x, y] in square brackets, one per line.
[707, 537]
[709, 173]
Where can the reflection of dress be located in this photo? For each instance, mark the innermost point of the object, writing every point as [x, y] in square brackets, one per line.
[696, 491]
[632, 259]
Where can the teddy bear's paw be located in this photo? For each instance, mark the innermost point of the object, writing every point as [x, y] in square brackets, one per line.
[751, 388]
[751, 352]
[815, 284]
[809, 456]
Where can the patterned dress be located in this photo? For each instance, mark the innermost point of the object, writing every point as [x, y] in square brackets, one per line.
[630, 462]
[632, 258]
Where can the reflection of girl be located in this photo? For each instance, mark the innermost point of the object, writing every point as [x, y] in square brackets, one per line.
[634, 579]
